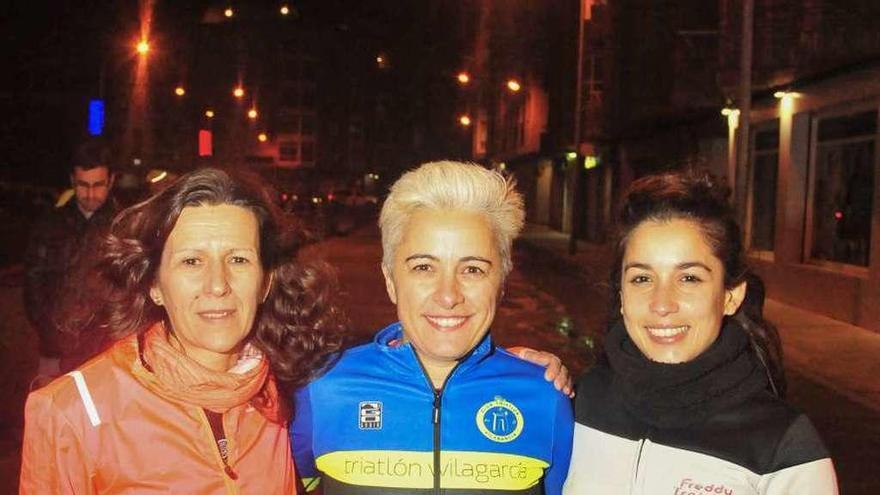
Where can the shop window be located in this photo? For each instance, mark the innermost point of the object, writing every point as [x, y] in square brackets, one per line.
[843, 188]
[765, 163]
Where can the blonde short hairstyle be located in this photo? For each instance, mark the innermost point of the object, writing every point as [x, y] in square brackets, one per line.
[448, 185]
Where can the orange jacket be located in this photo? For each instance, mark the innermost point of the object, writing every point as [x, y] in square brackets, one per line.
[134, 441]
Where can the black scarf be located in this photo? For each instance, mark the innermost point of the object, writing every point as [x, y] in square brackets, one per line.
[679, 395]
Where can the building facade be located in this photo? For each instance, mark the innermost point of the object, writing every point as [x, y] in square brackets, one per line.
[654, 78]
[807, 191]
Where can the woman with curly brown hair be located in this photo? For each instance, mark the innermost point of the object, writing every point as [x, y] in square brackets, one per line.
[211, 315]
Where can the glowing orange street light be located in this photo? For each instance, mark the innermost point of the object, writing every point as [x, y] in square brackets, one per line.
[252, 113]
[513, 85]
[262, 137]
[381, 61]
[143, 47]
[238, 92]
[464, 120]
[209, 113]
[285, 10]
[228, 12]
[463, 78]
[179, 91]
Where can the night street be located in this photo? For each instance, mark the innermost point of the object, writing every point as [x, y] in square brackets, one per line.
[724, 151]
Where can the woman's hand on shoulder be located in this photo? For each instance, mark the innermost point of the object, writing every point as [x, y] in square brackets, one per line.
[555, 371]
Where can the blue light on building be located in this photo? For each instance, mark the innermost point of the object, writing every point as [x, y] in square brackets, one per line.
[96, 117]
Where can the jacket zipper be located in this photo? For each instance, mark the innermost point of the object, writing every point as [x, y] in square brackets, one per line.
[438, 397]
[638, 465]
[215, 420]
[435, 416]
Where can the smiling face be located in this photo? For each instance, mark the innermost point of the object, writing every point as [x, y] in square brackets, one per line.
[672, 291]
[211, 282]
[445, 282]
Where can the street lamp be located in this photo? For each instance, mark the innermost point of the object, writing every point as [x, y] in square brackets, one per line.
[252, 114]
[786, 99]
[179, 91]
[143, 47]
[238, 92]
[463, 78]
[513, 85]
[228, 12]
[285, 9]
[382, 61]
[262, 137]
[209, 113]
[732, 115]
[464, 120]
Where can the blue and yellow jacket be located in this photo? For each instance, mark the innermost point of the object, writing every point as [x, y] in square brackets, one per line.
[375, 424]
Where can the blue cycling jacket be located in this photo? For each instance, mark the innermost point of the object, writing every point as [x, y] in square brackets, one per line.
[375, 424]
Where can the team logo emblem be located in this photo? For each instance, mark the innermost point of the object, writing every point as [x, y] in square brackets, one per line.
[370, 415]
[500, 421]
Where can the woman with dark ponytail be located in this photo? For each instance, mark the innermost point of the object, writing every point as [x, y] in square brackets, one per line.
[689, 395]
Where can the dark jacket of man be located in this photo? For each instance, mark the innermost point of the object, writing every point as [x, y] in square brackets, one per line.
[52, 249]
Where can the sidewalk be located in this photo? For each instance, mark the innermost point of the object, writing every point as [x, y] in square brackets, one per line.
[835, 354]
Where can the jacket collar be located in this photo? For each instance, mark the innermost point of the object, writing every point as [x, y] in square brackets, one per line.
[169, 373]
[390, 341]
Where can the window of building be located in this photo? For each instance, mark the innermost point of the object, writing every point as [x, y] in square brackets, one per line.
[765, 163]
[843, 188]
[288, 122]
[308, 151]
[288, 151]
[310, 69]
[308, 96]
[308, 125]
[290, 95]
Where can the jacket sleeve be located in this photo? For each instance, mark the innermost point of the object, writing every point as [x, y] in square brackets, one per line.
[301, 440]
[801, 464]
[53, 459]
[37, 275]
[562, 438]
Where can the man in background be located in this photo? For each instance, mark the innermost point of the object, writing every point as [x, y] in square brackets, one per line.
[54, 244]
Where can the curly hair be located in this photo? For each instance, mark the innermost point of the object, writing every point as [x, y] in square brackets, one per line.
[298, 325]
[448, 185]
[697, 196]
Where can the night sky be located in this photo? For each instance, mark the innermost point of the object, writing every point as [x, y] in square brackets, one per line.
[54, 51]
